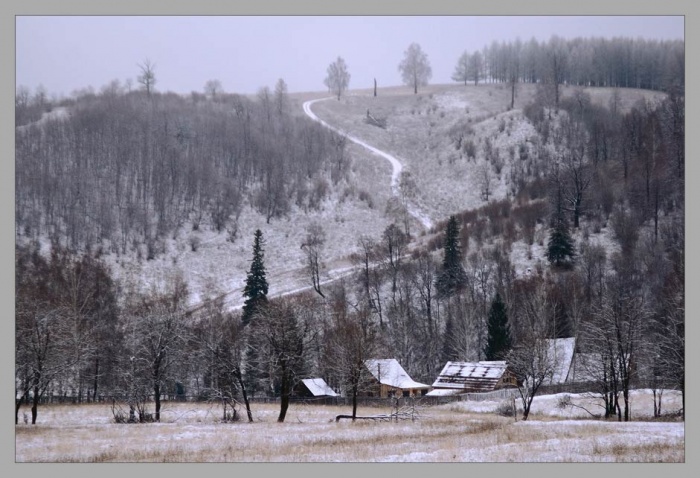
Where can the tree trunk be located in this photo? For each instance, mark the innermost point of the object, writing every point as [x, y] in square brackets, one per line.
[284, 396]
[35, 404]
[354, 402]
[156, 397]
[94, 383]
[244, 392]
[18, 405]
[526, 411]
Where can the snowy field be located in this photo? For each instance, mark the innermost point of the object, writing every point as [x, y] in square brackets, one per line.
[457, 432]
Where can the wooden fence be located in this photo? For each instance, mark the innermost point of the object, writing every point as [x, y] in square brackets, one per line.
[496, 395]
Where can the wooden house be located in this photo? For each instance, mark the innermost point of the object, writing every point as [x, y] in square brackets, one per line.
[391, 380]
[463, 377]
[314, 388]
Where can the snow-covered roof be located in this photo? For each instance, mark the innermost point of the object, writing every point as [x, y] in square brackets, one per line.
[476, 376]
[318, 387]
[561, 352]
[390, 372]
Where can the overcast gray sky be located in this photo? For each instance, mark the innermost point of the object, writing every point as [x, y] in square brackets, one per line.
[65, 53]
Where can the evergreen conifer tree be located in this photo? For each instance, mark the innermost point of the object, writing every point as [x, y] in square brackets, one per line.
[448, 351]
[256, 285]
[452, 277]
[560, 248]
[499, 341]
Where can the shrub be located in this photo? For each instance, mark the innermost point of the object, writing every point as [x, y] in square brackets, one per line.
[505, 408]
[366, 197]
[564, 401]
[469, 149]
[522, 151]
[194, 242]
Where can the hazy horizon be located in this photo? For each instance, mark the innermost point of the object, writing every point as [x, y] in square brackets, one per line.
[245, 53]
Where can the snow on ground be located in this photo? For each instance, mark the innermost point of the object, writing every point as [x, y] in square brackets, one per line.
[396, 164]
[585, 405]
[416, 140]
[457, 432]
[57, 113]
[219, 266]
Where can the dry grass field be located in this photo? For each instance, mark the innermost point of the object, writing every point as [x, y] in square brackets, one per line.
[458, 432]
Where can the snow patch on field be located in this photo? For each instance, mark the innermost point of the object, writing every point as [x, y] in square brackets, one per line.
[457, 432]
[451, 101]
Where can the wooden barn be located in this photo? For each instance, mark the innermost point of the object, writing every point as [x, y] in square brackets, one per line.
[463, 377]
[391, 380]
[314, 388]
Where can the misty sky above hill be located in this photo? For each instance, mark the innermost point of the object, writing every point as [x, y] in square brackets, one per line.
[67, 53]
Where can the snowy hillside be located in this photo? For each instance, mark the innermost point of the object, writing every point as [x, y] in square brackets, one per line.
[417, 135]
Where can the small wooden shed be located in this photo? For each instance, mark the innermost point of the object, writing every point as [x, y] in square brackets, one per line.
[314, 387]
[392, 380]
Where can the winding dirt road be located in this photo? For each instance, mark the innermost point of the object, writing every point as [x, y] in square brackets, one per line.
[235, 295]
[396, 165]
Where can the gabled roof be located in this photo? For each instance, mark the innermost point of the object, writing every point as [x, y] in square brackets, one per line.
[561, 352]
[318, 387]
[390, 372]
[472, 376]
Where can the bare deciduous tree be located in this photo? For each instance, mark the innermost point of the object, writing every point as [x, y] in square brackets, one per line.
[415, 67]
[337, 77]
[476, 65]
[213, 88]
[220, 341]
[281, 98]
[282, 341]
[530, 358]
[313, 247]
[147, 78]
[485, 180]
[461, 72]
[157, 333]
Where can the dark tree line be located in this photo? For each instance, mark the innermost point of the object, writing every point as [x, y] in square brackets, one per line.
[613, 62]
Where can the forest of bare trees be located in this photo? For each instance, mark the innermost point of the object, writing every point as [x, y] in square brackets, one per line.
[613, 62]
[131, 168]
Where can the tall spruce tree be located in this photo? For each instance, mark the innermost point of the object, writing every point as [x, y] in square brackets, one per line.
[452, 277]
[256, 285]
[560, 248]
[498, 342]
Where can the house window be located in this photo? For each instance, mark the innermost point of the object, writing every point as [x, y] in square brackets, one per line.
[406, 393]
